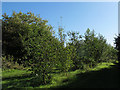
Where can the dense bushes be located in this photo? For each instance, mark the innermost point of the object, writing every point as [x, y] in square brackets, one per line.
[31, 42]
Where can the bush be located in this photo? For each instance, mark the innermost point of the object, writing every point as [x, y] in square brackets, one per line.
[7, 63]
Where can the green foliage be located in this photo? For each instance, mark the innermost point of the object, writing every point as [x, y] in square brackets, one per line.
[7, 63]
[117, 42]
[29, 41]
[64, 53]
[109, 54]
[74, 44]
[90, 49]
[67, 62]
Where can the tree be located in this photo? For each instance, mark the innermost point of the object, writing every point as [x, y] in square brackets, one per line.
[30, 41]
[74, 43]
[11, 27]
[93, 47]
[109, 54]
[117, 42]
[64, 53]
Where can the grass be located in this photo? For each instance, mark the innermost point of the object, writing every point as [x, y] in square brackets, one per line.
[104, 75]
[13, 72]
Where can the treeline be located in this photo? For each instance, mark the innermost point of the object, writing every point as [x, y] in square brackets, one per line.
[29, 41]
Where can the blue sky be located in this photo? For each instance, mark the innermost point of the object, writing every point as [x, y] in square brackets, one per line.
[76, 16]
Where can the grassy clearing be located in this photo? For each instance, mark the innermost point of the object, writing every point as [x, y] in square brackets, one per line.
[103, 75]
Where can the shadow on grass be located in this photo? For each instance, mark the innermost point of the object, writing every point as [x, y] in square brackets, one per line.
[18, 77]
[26, 80]
[104, 78]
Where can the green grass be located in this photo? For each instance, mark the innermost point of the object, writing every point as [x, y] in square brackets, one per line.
[0, 72]
[103, 75]
[13, 72]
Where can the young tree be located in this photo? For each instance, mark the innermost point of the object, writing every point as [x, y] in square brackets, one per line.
[74, 43]
[94, 47]
[64, 53]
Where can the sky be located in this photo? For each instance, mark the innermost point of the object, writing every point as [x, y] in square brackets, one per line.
[76, 16]
[60, 0]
